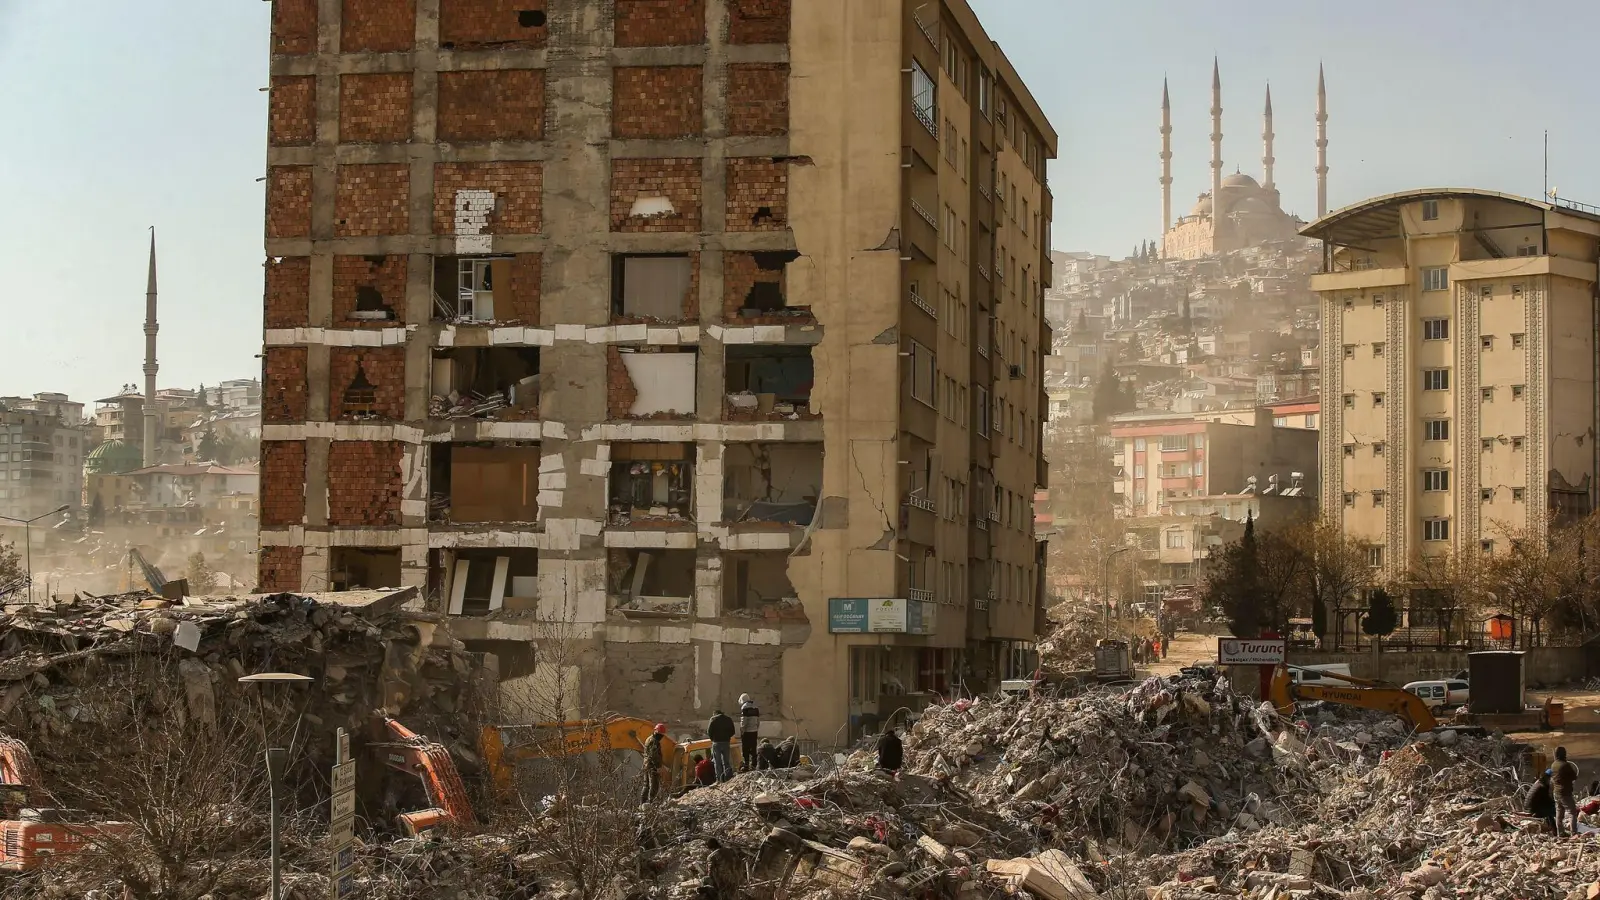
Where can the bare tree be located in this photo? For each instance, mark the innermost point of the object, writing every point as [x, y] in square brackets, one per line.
[1334, 569]
[1538, 577]
[1448, 588]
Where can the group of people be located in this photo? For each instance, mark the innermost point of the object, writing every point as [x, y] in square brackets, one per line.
[717, 766]
[1553, 796]
[1147, 650]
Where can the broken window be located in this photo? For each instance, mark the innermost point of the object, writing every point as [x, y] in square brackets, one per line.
[756, 285]
[486, 383]
[473, 483]
[777, 483]
[652, 381]
[769, 381]
[464, 286]
[656, 286]
[651, 482]
[651, 582]
[483, 581]
[755, 582]
[353, 568]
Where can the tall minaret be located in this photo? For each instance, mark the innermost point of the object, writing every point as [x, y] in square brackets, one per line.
[1166, 166]
[151, 454]
[1266, 143]
[1216, 140]
[1322, 145]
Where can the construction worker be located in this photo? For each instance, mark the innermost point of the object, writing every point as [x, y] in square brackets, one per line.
[1542, 803]
[704, 773]
[891, 753]
[652, 762]
[721, 730]
[1565, 778]
[766, 755]
[749, 724]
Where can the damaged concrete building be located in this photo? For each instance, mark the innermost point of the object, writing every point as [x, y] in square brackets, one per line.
[701, 335]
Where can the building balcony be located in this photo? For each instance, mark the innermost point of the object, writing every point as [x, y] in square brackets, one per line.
[920, 594]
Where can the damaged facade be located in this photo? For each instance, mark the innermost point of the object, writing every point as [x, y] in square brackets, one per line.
[664, 327]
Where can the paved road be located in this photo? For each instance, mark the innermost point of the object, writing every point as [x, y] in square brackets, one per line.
[1187, 649]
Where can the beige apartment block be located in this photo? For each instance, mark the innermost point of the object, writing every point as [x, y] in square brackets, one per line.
[697, 340]
[1458, 369]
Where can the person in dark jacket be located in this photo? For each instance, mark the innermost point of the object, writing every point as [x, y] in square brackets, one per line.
[891, 753]
[788, 753]
[766, 756]
[1565, 779]
[1542, 801]
[749, 724]
[720, 730]
[652, 762]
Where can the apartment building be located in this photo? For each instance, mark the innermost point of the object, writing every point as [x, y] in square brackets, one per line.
[702, 336]
[42, 444]
[1458, 369]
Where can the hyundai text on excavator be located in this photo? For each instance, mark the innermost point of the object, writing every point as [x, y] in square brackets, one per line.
[29, 833]
[503, 746]
[404, 750]
[1361, 692]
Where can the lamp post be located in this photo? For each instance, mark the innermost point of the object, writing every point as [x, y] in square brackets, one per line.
[27, 541]
[277, 764]
[1105, 581]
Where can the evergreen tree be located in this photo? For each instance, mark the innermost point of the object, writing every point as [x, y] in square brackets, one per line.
[209, 448]
[1381, 617]
[1235, 585]
[1110, 397]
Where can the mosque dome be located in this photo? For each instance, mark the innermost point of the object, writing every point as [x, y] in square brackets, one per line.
[1240, 180]
[113, 458]
[1202, 206]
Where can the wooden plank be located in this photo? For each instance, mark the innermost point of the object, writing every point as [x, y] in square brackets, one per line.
[458, 586]
[497, 593]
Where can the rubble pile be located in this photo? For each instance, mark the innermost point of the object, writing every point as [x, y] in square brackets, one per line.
[1070, 645]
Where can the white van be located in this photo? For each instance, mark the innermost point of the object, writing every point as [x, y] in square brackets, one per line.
[1448, 693]
[1314, 674]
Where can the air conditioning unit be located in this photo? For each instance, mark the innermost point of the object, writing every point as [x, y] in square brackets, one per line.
[1016, 371]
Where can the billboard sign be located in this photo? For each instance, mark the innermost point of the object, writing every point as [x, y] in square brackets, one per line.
[1249, 651]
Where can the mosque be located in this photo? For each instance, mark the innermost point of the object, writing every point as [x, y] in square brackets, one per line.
[1238, 211]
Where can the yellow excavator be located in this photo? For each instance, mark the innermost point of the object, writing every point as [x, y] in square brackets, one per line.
[1361, 693]
[139, 573]
[504, 746]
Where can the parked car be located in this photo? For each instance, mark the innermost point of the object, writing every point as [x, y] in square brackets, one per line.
[1448, 693]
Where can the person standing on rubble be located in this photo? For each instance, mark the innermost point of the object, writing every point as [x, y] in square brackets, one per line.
[749, 724]
[891, 752]
[1566, 781]
[1542, 803]
[652, 762]
[720, 730]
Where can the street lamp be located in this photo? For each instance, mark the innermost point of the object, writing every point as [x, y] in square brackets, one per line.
[27, 541]
[277, 763]
[1105, 581]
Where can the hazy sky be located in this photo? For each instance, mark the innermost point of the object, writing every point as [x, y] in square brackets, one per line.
[118, 121]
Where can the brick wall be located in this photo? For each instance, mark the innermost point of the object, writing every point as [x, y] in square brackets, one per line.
[758, 99]
[364, 483]
[465, 24]
[283, 384]
[288, 201]
[678, 180]
[294, 26]
[740, 275]
[656, 101]
[380, 281]
[375, 108]
[292, 110]
[288, 292]
[491, 105]
[758, 194]
[620, 392]
[381, 391]
[381, 26]
[519, 195]
[527, 270]
[283, 483]
[278, 569]
[659, 23]
[371, 200]
[758, 21]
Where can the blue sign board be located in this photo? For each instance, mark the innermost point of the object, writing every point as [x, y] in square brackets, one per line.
[847, 615]
[863, 615]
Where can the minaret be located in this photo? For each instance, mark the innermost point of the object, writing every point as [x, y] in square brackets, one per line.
[1322, 145]
[1166, 166]
[151, 456]
[1266, 143]
[1216, 141]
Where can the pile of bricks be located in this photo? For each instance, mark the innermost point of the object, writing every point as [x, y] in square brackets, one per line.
[288, 292]
[491, 105]
[660, 23]
[758, 21]
[294, 27]
[283, 385]
[278, 569]
[678, 180]
[375, 108]
[289, 201]
[512, 24]
[364, 483]
[656, 102]
[292, 110]
[378, 26]
[283, 483]
[758, 99]
[518, 189]
[372, 199]
[758, 194]
[379, 392]
[620, 392]
[378, 279]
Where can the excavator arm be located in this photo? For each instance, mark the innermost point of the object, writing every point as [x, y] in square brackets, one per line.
[1362, 693]
[503, 746]
[406, 751]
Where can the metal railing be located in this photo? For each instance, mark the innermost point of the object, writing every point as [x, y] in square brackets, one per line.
[925, 596]
[921, 501]
[926, 29]
[925, 116]
[980, 602]
[923, 305]
[926, 216]
[984, 271]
